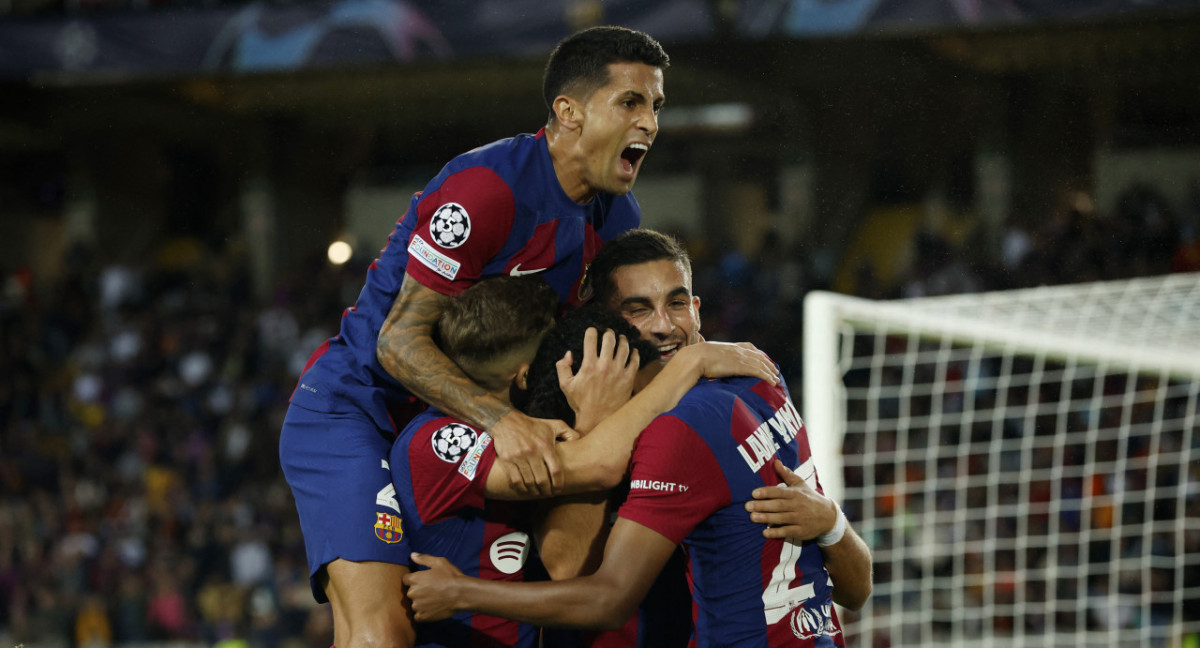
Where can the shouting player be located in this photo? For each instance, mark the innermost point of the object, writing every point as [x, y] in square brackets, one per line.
[532, 204]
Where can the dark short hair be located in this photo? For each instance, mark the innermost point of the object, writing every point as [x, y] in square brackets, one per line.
[545, 398]
[631, 248]
[495, 316]
[579, 63]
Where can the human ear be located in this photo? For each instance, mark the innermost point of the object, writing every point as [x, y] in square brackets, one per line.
[567, 112]
[521, 380]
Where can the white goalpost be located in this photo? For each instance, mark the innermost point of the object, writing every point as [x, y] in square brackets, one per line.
[1024, 464]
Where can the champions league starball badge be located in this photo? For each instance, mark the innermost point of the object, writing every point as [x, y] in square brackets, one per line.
[450, 226]
[453, 441]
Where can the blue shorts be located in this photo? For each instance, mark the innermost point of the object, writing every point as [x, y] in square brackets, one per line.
[337, 467]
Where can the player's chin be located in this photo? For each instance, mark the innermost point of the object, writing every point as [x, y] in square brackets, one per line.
[622, 181]
[621, 188]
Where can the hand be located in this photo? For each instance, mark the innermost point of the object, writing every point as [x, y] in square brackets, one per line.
[722, 359]
[605, 378]
[525, 446]
[432, 591]
[793, 511]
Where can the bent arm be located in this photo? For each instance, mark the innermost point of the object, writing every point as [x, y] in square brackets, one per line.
[796, 512]
[598, 461]
[633, 557]
[407, 351]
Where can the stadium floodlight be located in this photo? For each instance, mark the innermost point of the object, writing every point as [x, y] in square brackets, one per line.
[1024, 464]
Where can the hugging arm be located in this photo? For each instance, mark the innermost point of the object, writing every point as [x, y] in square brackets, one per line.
[606, 599]
[598, 461]
[796, 512]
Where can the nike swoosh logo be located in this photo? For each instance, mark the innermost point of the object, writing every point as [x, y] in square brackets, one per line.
[518, 272]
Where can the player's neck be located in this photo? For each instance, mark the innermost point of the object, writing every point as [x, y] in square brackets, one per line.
[569, 163]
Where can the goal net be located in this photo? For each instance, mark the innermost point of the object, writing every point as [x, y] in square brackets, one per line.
[1025, 464]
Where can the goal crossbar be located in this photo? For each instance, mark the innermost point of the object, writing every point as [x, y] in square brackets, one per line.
[1146, 324]
[1140, 324]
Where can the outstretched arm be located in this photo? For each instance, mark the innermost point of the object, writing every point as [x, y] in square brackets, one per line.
[796, 512]
[407, 351]
[605, 600]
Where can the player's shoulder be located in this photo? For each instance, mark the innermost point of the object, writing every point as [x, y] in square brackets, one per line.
[722, 389]
[505, 156]
[488, 175]
[446, 437]
[430, 421]
[713, 399]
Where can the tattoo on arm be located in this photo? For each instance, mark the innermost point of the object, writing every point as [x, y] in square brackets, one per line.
[407, 351]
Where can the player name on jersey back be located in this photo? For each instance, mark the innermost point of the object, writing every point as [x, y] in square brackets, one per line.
[760, 446]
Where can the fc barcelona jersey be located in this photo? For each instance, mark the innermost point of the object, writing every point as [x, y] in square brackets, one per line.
[692, 471]
[498, 209]
[439, 467]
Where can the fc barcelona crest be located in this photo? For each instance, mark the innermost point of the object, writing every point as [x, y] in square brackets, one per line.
[388, 528]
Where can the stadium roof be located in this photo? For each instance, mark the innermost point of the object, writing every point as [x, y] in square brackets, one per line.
[259, 36]
[386, 62]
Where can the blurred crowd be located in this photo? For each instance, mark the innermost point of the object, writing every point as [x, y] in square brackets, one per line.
[141, 499]
[758, 296]
[140, 492]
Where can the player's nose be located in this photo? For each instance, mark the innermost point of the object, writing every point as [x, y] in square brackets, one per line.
[660, 323]
[648, 122]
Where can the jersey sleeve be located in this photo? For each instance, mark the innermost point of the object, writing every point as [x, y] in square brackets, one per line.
[448, 462]
[675, 481]
[460, 227]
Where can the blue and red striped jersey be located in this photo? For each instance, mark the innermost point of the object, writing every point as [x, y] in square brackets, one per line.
[498, 209]
[439, 467]
[692, 471]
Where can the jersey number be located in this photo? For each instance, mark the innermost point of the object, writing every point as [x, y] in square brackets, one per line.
[779, 597]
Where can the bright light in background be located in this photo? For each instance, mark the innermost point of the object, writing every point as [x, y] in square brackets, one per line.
[339, 252]
[726, 117]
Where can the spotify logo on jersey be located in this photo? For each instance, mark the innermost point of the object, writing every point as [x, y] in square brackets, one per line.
[509, 552]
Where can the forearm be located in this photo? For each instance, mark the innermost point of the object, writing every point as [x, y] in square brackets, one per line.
[633, 557]
[849, 564]
[589, 602]
[407, 351]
